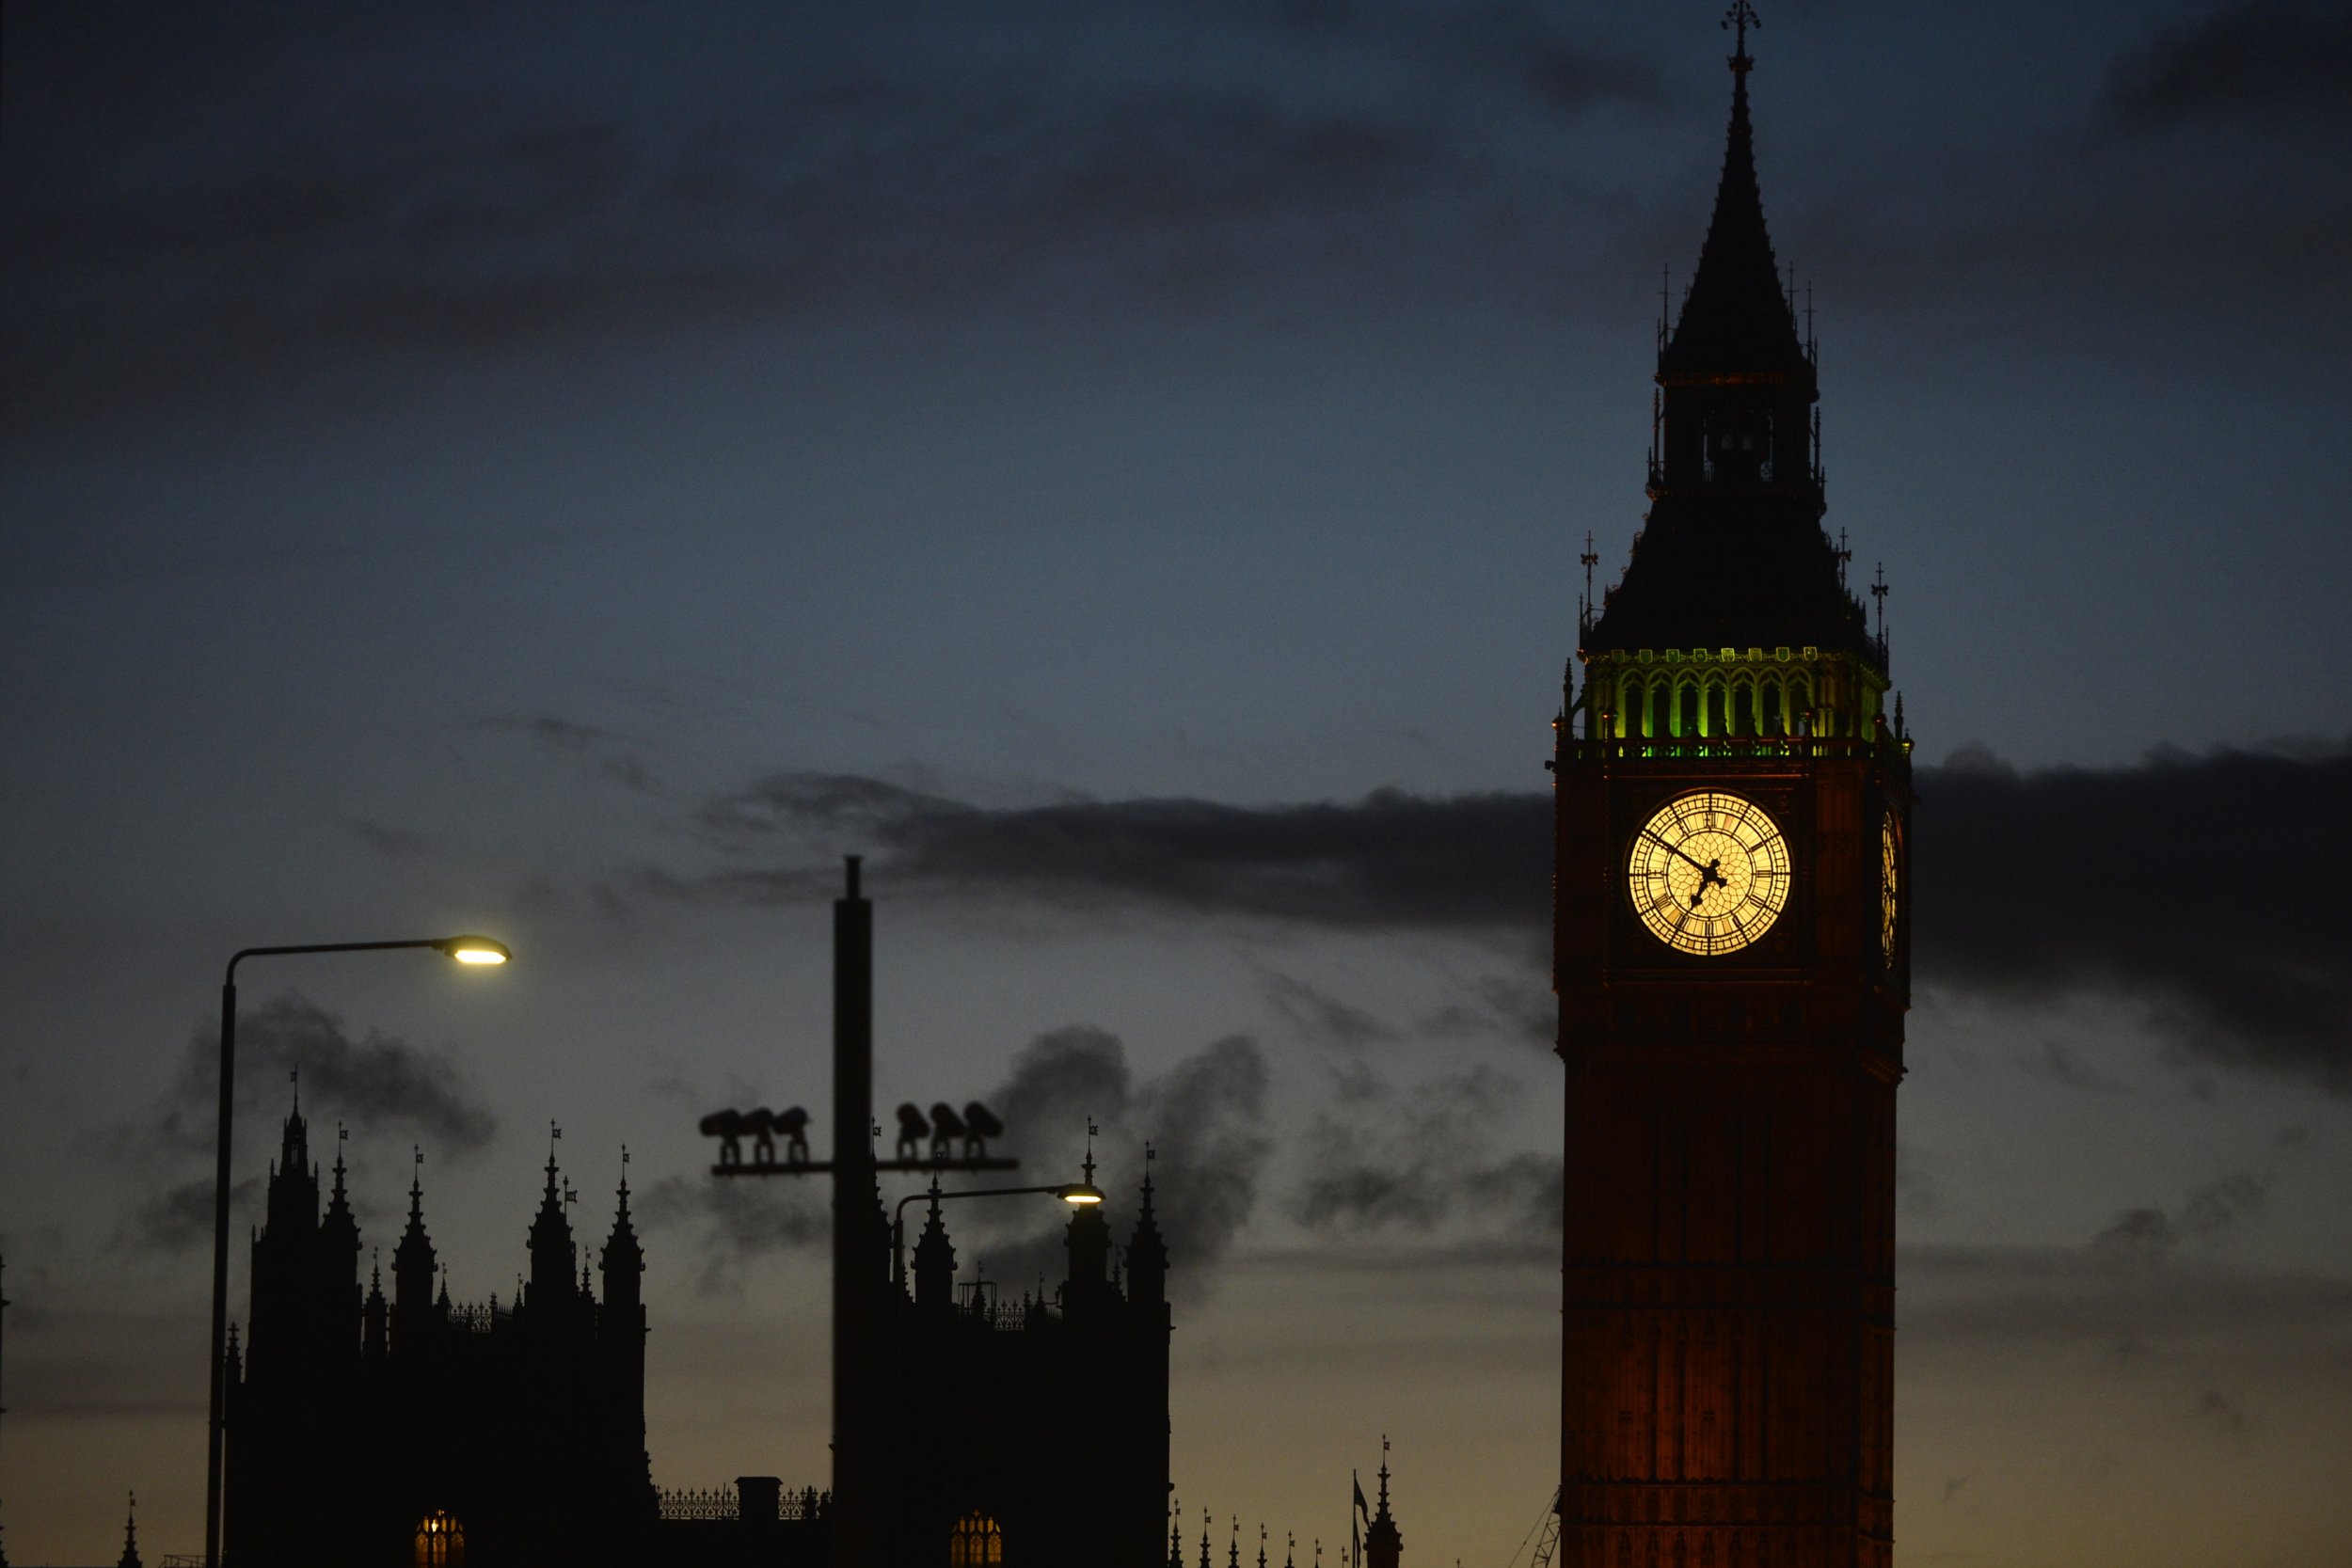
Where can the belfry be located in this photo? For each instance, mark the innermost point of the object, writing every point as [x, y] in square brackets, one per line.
[1732, 958]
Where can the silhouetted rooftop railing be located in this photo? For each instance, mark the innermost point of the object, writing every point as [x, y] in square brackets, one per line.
[476, 1317]
[721, 1504]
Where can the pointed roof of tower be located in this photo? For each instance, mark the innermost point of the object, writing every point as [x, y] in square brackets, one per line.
[1735, 316]
[129, 1558]
[413, 1257]
[1147, 1250]
[550, 1226]
[621, 1251]
[339, 1219]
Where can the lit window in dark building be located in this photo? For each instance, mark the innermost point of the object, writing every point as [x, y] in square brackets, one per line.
[976, 1540]
[440, 1541]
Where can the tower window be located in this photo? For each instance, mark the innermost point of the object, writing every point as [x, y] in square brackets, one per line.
[974, 1541]
[440, 1541]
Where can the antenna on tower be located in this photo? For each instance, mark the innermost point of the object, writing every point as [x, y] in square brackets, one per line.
[1585, 605]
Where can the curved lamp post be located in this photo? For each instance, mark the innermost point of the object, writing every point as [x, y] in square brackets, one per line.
[465, 950]
[1078, 1194]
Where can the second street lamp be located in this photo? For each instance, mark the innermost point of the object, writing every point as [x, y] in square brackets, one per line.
[1078, 1194]
[470, 950]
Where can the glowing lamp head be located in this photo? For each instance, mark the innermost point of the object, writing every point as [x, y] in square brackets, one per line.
[475, 950]
[1079, 1195]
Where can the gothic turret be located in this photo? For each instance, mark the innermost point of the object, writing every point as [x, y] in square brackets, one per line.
[623, 1261]
[293, 1206]
[412, 1272]
[341, 1229]
[1384, 1543]
[1147, 1252]
[554, 1256]
[934, 1261]
[374, 1315]
[129, 1558]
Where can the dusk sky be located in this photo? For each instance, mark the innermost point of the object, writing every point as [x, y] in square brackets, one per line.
[573, 472]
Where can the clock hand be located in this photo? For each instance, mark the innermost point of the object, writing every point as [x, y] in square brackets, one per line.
[1711, 872]
[1707, 873]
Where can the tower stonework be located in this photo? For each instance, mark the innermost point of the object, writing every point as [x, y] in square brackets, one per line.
[1731, 954]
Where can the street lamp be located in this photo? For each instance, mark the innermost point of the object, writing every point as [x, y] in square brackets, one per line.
[474, 950]
[1078, 1194]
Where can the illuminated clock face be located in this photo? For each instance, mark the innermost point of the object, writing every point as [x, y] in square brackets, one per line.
[1890, 846]
[1709, 873]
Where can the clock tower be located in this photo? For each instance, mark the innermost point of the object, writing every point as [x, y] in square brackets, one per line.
[1731, 935]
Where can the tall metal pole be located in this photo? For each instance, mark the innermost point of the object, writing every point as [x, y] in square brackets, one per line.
[220, 1268]
[856, 1259]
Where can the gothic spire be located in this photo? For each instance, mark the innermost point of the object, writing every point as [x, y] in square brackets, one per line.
[129, 1558]
[622, 1259]
[1735, 316]
[1147, 1250]
[934, 1260]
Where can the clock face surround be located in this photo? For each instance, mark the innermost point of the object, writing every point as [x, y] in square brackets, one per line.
[1890, 884]
[1708, 873]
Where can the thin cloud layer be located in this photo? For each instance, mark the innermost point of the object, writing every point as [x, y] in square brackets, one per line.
[1419, 1161]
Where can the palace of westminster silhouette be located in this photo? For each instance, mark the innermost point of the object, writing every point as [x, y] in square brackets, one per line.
[1731, 957]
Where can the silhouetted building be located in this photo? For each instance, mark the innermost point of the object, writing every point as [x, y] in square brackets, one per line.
[1732, 958]
[415, 1430]
[1031, 1432]
[372, 1432]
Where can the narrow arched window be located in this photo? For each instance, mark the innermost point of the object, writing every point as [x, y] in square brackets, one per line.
[976, 1542]
[440, 1541]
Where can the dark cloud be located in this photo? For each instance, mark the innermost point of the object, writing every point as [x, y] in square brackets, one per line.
[598, 750]
[1390, 860]
[2185, 887]
[1422, 1159]
[2214, 1406]
[1204, 1119]
[2177, 887]
[730, 1223]
[2280, 62]
[2208, 1215]
[374, 1083]
[181, 1216]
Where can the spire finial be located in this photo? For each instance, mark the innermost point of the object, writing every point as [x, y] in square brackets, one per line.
[1739, 20]
[1091, 1131]
[624, 1178]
